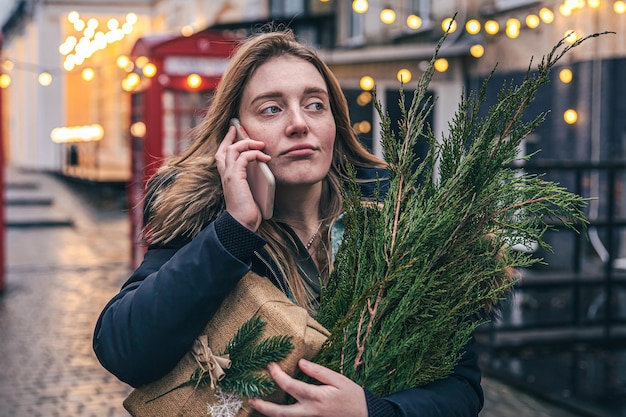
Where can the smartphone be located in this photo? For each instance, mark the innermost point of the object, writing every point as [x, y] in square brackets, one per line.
[260, 178]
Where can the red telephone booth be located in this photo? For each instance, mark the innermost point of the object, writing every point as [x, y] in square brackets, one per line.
[176, 79]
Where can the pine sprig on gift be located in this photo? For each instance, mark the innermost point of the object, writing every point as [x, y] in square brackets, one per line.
[247, 375]
[415, 277]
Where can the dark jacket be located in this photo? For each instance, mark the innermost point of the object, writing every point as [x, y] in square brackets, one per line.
[145, 330]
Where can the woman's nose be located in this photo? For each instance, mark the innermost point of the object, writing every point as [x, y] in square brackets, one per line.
[297, 124]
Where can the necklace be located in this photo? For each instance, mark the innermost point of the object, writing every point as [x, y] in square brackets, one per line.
[310, 242]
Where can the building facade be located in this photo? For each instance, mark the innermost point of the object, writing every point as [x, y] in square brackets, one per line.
[41, 37]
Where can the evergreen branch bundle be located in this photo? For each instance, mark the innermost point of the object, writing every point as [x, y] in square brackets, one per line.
[415, 276]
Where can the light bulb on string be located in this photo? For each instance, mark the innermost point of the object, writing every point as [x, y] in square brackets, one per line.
[513, 26]
[472, 26]
[571, 36]
[566, 75]
[88, 74]
[131, 18]
[448, 25]
[570, 116]
[122, 61]
[366, 83]
[45, 79]
[360, 6]
[404, 75]
[492, 27]
[194, 81]
[364, 98]
[619, 7]
[565, 10]
[149, 70]
[594, 4]
[532, 21]
[441, 64]
[546, 15]
[387, 16]
[414, 21]
[477, 50]
[73, 17]
[5, 80]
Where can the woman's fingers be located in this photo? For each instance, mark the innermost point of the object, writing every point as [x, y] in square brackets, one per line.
[338, 396]
[232, 158]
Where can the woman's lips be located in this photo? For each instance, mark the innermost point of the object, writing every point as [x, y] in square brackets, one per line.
[299, 151]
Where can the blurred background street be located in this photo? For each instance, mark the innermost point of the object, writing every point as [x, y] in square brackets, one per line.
[68, 253]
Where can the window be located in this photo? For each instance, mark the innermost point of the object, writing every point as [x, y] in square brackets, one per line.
[354, 26]
[285, 8]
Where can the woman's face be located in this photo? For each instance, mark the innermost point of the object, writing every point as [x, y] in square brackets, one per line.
[286, 105]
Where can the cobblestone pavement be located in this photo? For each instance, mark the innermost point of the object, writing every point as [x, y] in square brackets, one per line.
[57, 281]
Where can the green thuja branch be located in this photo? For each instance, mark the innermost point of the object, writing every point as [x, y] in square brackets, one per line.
[415, 277]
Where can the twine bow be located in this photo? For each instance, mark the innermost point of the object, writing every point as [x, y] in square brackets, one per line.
[208, 362]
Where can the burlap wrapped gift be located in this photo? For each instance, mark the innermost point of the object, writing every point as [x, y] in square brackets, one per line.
[254, 295]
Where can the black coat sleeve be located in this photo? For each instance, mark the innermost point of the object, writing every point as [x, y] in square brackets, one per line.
[152, 322]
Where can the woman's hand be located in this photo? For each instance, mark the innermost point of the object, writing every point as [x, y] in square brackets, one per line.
[337, 396]
[232, 158]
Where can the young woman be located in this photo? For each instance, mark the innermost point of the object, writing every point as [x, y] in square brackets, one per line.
[205, 232]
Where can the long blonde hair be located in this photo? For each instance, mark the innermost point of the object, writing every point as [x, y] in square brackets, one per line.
[187, 191]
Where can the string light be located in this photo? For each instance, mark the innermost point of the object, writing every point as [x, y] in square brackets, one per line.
[138, 129]
[149, 70]
[187, 31]
[570, 116]
[131, 18]
[414, 21]
[441, 64]
[141, 61]
[546, 15]
[566, 75]
[492, 27]
[362, 127]
[477, 50]
[88, 74]
[194, 81]
[366, 83]
[5, 80]
[513, 26]
[360, 6]
[122, 61]
[45, 79]
[131, 81]
[448, 24]
[73, 17]
[619, 7]
[472, 26]
[571, 36]
[594, 4]
[387, 16]
[364, 98]
[76, 51]
[404, 75]
[532, 21]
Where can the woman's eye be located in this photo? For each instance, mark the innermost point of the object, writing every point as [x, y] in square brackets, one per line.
[316, 106]
[270, 110]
